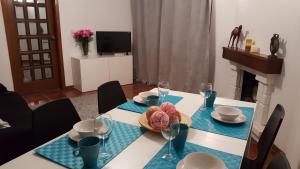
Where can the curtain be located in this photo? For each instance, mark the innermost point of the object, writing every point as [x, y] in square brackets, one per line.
[171, 42]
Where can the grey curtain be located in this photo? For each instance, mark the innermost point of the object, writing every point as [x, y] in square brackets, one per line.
[171, 42]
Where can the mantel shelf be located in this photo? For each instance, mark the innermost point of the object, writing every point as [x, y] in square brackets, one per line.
[254, 61]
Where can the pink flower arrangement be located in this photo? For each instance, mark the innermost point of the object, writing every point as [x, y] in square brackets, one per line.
[83, 35]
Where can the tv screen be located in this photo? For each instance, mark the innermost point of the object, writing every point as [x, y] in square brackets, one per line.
[113, 42]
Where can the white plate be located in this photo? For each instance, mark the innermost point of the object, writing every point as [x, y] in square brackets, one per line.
[198, 160]
[240, 119]
[139, 99]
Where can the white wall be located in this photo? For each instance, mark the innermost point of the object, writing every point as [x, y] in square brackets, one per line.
[262, 19]
[5, 70]
[97, 15]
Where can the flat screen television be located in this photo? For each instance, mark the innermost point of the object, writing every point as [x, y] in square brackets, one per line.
[113, 42]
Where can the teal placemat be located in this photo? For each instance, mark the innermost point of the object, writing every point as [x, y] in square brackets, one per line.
[231, 161]
[61, 151]
[140, 108]
[202, 120]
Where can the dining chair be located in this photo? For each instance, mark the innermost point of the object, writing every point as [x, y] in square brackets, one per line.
[53, 119]
[110, 95]
[279, 162]
[266, 140]
[16, 139]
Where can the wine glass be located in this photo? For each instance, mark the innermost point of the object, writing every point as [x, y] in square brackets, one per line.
[170, 129]
[163, 90]
[205, 91]
[103, 131]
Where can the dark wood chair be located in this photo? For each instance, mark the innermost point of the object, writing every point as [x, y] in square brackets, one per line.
[266, 140]
[110, 95]
[17, 139]
[53, 119]
[279, 162]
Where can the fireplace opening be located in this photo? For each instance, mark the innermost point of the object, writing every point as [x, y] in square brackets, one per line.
[249, 88]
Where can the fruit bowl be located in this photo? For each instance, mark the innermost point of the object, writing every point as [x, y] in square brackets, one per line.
[145, 123]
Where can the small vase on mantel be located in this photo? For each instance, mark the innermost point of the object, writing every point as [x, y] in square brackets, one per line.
[85, 48]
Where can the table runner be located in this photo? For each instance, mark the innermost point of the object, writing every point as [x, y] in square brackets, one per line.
[61, 150]
[231, 161]
[140, 108]
[202, 120]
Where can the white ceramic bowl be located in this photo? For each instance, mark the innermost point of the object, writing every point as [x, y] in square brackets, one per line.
[144, 95]
[228, 113]
[86, 128]
[200, 161]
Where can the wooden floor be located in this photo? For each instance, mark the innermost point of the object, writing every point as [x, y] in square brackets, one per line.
[130, 91]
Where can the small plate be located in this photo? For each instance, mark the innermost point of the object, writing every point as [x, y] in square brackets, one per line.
[197, 160]
[240, 119]
[138, 99]
[144, 122]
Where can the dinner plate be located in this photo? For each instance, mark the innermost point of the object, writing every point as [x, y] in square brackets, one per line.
[197, 160]
[144, 122]
[240, 119]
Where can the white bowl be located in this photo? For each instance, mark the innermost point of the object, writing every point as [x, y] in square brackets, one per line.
[86, 128]
[200, 161]
[228, 113]
[144, 95]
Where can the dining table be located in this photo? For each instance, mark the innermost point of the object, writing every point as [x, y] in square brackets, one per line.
[144, 150]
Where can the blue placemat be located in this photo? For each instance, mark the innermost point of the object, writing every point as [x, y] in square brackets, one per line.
[140, 108]
[203, 121]
[61, 151]
[231, 161]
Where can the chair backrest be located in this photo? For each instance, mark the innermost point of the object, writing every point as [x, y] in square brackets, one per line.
[268, 135]
[110, 95]
[53, 119]
[279, 162]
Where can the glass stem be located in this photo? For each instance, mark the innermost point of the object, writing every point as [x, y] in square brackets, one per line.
[103, 142]
[169, 149]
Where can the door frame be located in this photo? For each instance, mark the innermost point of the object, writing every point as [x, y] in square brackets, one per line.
[11, 41]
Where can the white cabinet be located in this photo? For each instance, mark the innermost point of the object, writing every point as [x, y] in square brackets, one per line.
[91, 72]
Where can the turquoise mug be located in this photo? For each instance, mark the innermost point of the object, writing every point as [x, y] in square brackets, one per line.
[88, 149]
[211, 99]
[179, 141]
[152, 100]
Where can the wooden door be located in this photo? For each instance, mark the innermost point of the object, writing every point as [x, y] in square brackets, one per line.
[32, 43]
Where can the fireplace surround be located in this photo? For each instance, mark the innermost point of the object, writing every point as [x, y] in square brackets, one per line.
[265, 71]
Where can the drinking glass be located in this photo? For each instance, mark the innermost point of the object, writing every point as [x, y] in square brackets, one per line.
[169, 131]
[103, 131]
[163, 90]
[205, 92]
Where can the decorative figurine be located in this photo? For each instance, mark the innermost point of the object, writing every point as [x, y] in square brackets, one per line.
[236, 32]
[274, 45]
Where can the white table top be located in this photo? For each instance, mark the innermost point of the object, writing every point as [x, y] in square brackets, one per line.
[149, 144]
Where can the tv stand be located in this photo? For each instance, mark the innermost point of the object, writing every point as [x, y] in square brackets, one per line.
[92, 71]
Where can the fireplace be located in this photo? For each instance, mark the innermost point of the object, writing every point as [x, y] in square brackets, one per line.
[261, 71]
[249, 87]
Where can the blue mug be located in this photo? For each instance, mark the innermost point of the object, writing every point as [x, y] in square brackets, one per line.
[180, 139]
[88, 149]
[211, 99]
[152, 100]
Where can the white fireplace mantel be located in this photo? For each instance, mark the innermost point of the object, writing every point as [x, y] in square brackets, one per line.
[264, 93]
